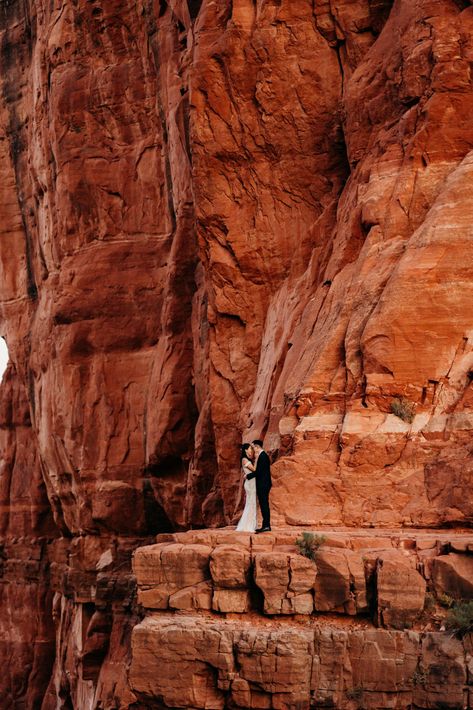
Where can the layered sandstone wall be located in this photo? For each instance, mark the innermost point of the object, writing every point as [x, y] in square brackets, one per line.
[243, 621]
[226, 220]
[27, 633]
[221, 220]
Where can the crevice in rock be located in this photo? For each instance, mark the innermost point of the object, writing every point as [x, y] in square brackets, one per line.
[379, 11]
[194, 8]
[156, 520]
[462, 4]
[162, 116]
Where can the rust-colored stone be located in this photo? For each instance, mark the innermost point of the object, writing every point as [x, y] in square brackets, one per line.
[229, 566]
[400, 592]
[340, 585]
[452, 574]
[209, 663]
[286, 581]
[221, 221]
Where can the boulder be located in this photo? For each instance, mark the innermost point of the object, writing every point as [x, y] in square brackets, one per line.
[229, 566]
[286, 580]
[164, 569]
[452, 574]
[199, 596]
[400, 594]
[340, 585]
[231, 600]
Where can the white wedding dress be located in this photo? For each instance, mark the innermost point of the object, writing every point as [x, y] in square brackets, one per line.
[247, 522]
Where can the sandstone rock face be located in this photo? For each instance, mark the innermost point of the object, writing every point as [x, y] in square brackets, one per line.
[227, 665]
[341, 583]
[222, 220]
[94, 611]
[453, 575]
[167, 568]
[286, 582]
[229, 566]
[27, 634]
[216, 215]
[355, 574]
[401, 593]
[214, 661]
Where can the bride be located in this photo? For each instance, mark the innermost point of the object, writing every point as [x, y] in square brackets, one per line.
[247, 521]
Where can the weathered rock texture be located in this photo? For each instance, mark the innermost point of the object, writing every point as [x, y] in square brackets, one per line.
[27, 635]
[230, 665]
[222, 219]
[238, 658]
[379, 576]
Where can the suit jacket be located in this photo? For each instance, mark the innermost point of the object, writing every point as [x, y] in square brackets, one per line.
[262, 473]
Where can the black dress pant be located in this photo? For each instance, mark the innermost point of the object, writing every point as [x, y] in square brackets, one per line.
[263, 500]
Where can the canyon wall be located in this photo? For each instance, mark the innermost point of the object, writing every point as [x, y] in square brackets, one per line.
[221, 220]
[234, 620]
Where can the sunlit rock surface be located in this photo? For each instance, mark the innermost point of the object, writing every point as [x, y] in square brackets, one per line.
[220, 221]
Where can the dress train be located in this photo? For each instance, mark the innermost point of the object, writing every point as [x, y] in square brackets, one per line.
[247, 522]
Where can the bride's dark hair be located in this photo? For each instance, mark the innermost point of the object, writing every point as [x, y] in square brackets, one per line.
[244, 454]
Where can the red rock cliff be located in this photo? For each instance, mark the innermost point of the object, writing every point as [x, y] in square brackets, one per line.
[222, 220]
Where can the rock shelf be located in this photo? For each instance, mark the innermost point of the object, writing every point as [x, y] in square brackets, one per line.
[207, 592]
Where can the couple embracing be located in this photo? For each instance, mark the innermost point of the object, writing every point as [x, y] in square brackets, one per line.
[256, 469]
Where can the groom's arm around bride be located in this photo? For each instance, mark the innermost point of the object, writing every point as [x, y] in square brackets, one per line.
[262, 474]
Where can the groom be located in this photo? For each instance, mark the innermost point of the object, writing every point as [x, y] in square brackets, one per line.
[262, 473]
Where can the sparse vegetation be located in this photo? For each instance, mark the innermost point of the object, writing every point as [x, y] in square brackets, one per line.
[419, 677]
[355, 694]
[403, 409]
[309, 543]
[460, 618]
[445, 600]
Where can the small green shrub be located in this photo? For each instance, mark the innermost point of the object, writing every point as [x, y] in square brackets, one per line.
[403, 409]
[309, 543]
[460, 618]
[445, 600]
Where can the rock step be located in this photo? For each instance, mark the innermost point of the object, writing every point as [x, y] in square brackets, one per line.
[193, 662]
[388, 577]
[337, 536]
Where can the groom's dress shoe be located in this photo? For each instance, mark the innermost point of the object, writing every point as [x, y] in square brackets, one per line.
[260, 530]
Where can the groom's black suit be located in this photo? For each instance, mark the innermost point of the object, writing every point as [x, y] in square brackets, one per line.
[262, 473]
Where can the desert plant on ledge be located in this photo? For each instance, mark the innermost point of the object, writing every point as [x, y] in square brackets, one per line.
[309, 543]
[445, 600]
[460, 618]
[403, 409]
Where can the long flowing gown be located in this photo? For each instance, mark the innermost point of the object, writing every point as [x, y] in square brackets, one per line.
[247, 522]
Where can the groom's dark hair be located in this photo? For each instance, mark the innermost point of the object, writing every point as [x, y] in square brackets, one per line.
[258, 442]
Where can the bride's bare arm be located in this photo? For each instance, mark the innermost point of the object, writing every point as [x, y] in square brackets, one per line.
[249, 465]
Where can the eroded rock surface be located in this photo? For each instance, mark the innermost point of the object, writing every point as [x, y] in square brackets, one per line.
[225, 664]
[383, 576]
[222, 220]
[27, 634]
[274, 640]
[234, 221]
